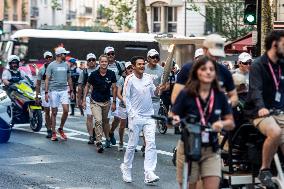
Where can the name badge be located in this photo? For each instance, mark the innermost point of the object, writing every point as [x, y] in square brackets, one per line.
[277, 96]
[205, 137]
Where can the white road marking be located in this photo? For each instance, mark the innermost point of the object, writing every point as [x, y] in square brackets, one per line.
[72, 133]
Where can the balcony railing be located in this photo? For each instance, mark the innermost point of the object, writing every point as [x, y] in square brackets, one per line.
[71, 15]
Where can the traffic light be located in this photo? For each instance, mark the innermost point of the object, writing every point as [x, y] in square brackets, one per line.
[250, 12]
[1, 27]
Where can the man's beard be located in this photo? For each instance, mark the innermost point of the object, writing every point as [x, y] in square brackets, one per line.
[15, 67]
[279, 54]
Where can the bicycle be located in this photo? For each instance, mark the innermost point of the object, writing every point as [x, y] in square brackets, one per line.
[161, 125]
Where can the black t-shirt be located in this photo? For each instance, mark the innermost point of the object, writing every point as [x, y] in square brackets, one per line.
[186, 105]
[101, 85]
[224, 76]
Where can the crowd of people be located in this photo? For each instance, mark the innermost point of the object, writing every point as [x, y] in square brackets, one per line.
[131, 94]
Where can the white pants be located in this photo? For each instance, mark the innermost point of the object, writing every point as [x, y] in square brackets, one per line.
[88, 106]
[135, 126]
[156, 106]
[43, 102]
[57, 97]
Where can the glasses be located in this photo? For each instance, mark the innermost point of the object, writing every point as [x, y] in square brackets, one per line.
[129, 68]
[110, 54]
[14, 62]
[247, 63]
[48, 57]
[92, 60]
[155, 57]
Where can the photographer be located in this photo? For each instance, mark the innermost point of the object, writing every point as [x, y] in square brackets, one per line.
[203, 98]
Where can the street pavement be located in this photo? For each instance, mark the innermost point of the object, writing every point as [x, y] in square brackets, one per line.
[29, 160]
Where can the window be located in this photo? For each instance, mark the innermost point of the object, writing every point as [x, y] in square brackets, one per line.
[156, 19]
[172, 19]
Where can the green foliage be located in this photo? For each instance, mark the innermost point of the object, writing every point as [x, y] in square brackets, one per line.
[24, 10]
[225, 16]
[55, 5]
[121, 12]
[96, 28]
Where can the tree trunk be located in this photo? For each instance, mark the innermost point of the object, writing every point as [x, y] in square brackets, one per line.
[266, 22]
[141, 17]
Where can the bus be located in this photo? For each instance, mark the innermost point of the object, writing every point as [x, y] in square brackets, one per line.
[30, 44]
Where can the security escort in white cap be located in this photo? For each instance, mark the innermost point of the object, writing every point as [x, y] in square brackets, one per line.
[40, 88]
[118, 68]
[83, 78]
[58, 78]
[213, 47]
[244, 62]
[13, 74]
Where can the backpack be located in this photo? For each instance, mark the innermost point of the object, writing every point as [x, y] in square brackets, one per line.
[85, 76]
[120, 69]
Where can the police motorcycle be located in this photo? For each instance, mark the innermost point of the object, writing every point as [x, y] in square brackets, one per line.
[241, 155]
[24, 108]
[192, 140]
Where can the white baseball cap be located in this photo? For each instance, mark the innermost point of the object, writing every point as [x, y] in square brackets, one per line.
[215, 45]
[91, 55]
[244, 57]
[198, 52]
[127, 64]
[47, 53]
[108, 49]
[152, 52]
[13, 57]
[61, 50]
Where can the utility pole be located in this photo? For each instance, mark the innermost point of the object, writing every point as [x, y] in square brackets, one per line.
[258, 45]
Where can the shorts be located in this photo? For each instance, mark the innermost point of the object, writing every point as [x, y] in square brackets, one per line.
[58, 97]
[156, 106]
[277, 120]
[88, 110]
[43, 102]
[121, 112]
[110, 113]
[209, 165]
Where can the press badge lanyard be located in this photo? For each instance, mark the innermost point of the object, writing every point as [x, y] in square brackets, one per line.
[277, 83]
[203, 117]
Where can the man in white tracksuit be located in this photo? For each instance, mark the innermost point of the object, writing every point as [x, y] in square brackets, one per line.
[138, 92]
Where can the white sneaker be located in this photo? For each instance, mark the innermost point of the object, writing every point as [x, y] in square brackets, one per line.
[126, 173]
[150, 177]
[120, 147]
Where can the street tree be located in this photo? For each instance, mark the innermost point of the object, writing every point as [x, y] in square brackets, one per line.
[121, 12]
[266, 22]
[224, 17]
[141, 17]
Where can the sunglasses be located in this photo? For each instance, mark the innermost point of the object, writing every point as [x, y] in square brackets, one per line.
[246, 63]
[155, 57]
[110, 54]
[14, 62]
[91, 60]
[48, 57]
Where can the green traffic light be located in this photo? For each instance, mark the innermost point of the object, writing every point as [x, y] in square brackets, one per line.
[250, 18]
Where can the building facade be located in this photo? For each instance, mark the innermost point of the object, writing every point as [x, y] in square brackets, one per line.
[173, 16]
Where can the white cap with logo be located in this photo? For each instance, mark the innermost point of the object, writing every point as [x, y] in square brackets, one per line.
[13, 57]
[198, 52]
[127, 64]
[108, 49]
[61, 50]
[91, 55]
[215, 45]
[47, 53]
[152, 52]
[244, 57]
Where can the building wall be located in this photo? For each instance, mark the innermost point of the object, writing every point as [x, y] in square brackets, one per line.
[280, 10]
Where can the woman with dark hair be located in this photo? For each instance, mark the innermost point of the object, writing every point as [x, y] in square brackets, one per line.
[203, 99]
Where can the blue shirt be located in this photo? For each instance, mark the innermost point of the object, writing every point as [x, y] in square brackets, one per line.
[224, 76]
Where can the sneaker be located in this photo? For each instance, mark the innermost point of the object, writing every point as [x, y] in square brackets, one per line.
[100, 147]
[126, 173]
[150, 177]
[112, 139]
[62, 134]
[265, 178]
[120, 147]
[54, 137]
[91, 140]
[107, 143]
[49, 133]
